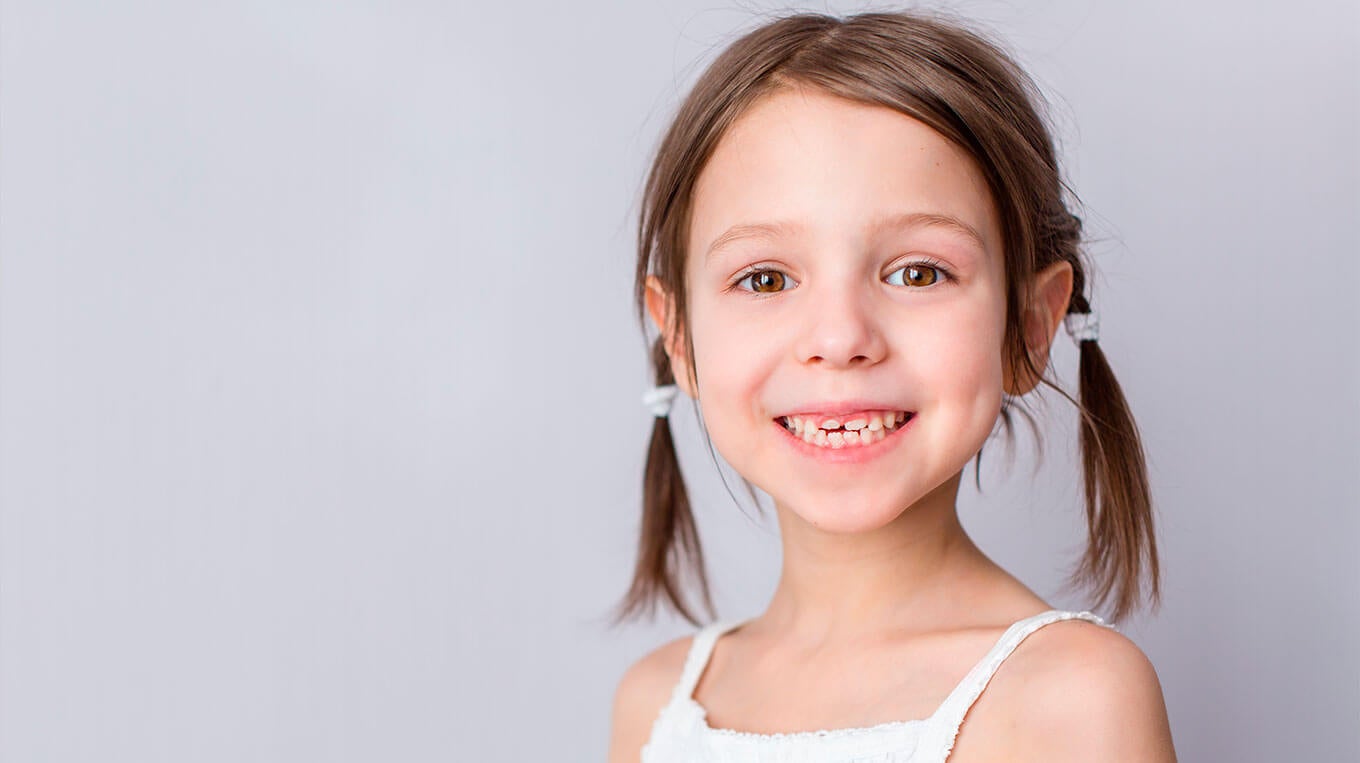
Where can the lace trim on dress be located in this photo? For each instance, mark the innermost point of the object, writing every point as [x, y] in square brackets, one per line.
[856, 731]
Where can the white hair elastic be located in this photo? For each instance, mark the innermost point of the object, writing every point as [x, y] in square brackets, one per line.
[1082, 326]
[659, 399]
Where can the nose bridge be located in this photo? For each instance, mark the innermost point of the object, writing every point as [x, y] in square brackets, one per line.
[840, 326]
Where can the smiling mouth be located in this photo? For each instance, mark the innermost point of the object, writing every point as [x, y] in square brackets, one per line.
[856, 431]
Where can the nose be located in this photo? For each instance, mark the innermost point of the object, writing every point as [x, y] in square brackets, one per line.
[841, 330]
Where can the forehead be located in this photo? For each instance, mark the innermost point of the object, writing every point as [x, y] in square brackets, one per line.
[814, 164]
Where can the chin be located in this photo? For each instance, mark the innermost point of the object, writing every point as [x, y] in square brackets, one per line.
[844, 514]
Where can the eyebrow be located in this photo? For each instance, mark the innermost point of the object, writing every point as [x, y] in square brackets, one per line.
[897, 221]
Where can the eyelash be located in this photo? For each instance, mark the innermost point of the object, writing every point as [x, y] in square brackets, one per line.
[945, 275]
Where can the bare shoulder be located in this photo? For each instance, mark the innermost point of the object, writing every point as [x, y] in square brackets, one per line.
[1075, 690]
[643, 690]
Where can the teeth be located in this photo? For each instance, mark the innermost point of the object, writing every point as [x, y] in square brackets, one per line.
[864, 430]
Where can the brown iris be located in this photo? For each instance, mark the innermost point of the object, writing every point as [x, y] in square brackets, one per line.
[913, 275]
[773, 279]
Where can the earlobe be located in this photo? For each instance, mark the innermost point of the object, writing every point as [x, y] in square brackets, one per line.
[660, 307]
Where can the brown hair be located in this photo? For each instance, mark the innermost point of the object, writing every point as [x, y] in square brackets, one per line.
[968, 89]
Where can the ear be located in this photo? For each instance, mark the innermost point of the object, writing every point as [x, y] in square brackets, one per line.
[1050, 294]
[662, 309]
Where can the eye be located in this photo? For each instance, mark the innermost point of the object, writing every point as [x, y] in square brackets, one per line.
[764, 281]
[919, 274]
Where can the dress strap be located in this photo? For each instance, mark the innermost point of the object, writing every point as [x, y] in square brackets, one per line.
[700, 649]
[949, 716]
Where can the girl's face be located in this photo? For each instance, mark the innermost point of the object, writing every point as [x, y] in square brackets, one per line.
[844, 261]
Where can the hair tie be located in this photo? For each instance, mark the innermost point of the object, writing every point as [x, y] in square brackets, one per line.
[1082, 326]
[658, 399]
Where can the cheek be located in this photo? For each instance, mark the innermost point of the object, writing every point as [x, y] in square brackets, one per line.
[733, 358]
[732, 348]
[710, 345]
[958, 358]
[967, 357]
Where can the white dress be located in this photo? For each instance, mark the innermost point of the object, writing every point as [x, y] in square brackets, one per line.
[681, 732]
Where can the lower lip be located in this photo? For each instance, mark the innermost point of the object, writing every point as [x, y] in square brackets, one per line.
[850, 454]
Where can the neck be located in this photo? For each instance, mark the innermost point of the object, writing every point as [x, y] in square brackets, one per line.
[908, 574]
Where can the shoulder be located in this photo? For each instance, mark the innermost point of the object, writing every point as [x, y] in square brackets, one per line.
[1075, 690]
[643, 690]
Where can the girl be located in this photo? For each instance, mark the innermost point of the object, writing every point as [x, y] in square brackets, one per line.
[855, 245]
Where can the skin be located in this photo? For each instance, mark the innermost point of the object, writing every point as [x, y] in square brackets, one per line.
[883, 602]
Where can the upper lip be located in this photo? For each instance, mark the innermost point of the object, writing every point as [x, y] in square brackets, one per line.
[837, 408]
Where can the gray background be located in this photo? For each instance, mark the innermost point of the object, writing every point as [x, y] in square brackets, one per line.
[319, 424]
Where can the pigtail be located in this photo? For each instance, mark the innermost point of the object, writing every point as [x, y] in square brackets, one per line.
[1121, 541]
[1119, 567]
[668, 544]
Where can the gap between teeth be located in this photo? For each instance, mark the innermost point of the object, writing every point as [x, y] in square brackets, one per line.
[862, 430]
